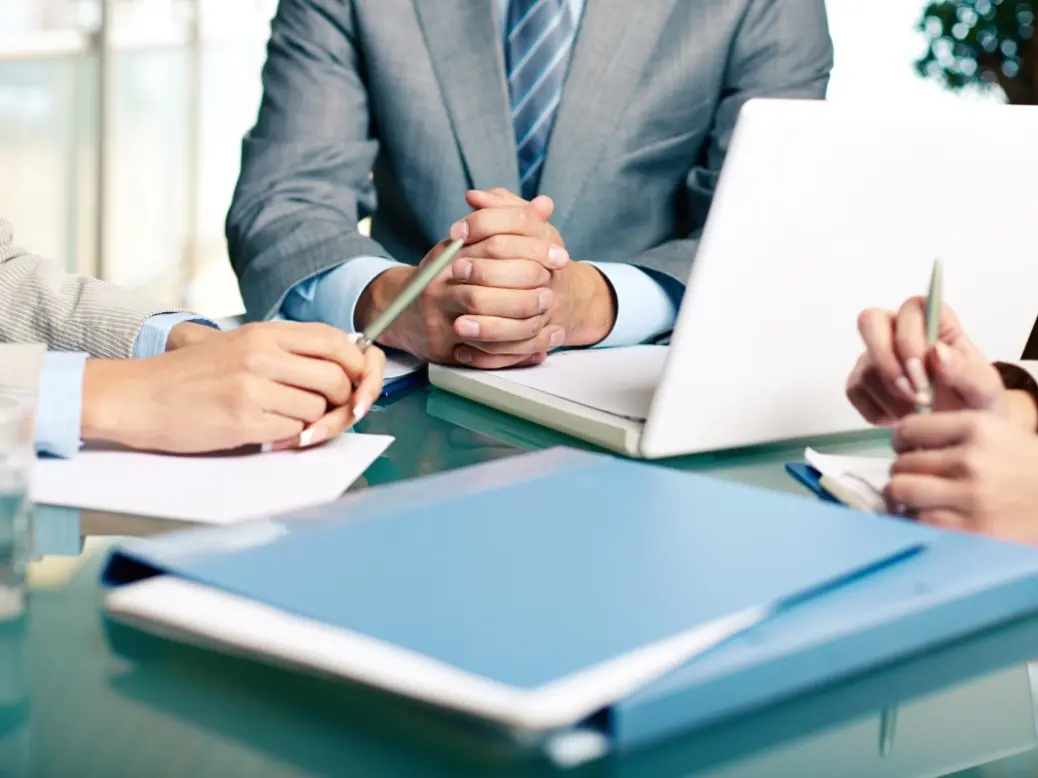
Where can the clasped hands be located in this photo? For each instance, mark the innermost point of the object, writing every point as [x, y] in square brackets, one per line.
[512, 295]
[972, 463]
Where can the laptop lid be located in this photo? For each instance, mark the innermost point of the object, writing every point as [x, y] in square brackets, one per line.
[823, 210]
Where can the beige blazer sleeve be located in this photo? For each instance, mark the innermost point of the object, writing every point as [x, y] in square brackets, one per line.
[42, 303]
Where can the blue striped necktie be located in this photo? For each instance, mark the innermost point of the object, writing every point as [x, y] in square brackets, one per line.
[539, 37]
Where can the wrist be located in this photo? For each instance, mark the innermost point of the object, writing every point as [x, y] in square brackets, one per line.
[1022, 409]
[377, 296]
[592, 305]
[188, 333]
[104, 404]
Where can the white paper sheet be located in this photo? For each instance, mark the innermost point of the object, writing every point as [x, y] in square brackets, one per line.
[400, 364]
[867, 477]
[875, 471]
[620, 381]
[211, 489]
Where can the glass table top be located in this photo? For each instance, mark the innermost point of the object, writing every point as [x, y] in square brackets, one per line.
[80, 696]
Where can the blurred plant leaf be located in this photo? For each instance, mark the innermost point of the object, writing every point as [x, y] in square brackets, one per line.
[982, 43]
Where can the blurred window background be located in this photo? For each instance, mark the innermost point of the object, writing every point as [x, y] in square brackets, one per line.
[120, 120]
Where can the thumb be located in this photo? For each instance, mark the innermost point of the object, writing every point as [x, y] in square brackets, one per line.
[966, 373]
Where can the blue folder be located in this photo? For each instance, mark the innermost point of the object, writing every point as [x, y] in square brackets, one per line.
[525, 570]
[809, 478]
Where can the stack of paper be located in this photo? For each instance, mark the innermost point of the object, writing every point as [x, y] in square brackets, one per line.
[864, 478]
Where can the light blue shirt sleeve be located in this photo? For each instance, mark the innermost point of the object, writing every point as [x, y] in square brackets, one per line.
[332, 297]
[59, 403]
[151, 340]
[646, 304]
[645, 307]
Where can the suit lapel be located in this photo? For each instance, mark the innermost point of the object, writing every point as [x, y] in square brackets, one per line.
[463, 41]
[612, 49]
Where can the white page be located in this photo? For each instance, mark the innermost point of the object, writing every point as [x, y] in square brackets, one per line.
[874, 471]
[400, 364]
[212, 489]
[620, 381]
[202, 614]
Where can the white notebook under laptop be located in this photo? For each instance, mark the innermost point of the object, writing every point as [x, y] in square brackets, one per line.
[821, 211]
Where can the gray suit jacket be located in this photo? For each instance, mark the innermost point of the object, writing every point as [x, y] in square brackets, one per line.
[414, 91]
[41, 303]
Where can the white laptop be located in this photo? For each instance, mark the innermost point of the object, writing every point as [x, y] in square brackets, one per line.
[821, 211]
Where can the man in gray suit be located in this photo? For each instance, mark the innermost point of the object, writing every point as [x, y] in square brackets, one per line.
[190, 388]
[538, 129]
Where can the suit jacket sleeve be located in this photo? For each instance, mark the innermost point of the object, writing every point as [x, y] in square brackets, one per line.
[305, 173]
[782, 50]
[41, 303]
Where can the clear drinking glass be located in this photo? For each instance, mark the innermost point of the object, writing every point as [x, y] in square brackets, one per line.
[16, 459]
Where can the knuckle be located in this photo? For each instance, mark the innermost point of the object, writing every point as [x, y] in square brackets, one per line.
[339, 387]
[314, 408]
[976, 428]
[972, 464]
[429, 319]
[975, 500]
[496, 247]
[253, 360]
[481, 274]
[473, 300]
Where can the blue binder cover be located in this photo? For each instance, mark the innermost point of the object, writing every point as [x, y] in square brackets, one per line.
[611, 556]
[810, 478]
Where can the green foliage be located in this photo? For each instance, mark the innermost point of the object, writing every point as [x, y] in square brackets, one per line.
[977, 42]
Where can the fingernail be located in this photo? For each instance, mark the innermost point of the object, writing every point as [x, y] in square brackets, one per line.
[544, 300]
[360, 410]
[905, 388]
[460, 230]
[462, 270]
[557, 257]
[917, 373]
[312, 435]
[463, 355]
[467, 328]
[556, 339]
[266, 448]
[944, 354]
